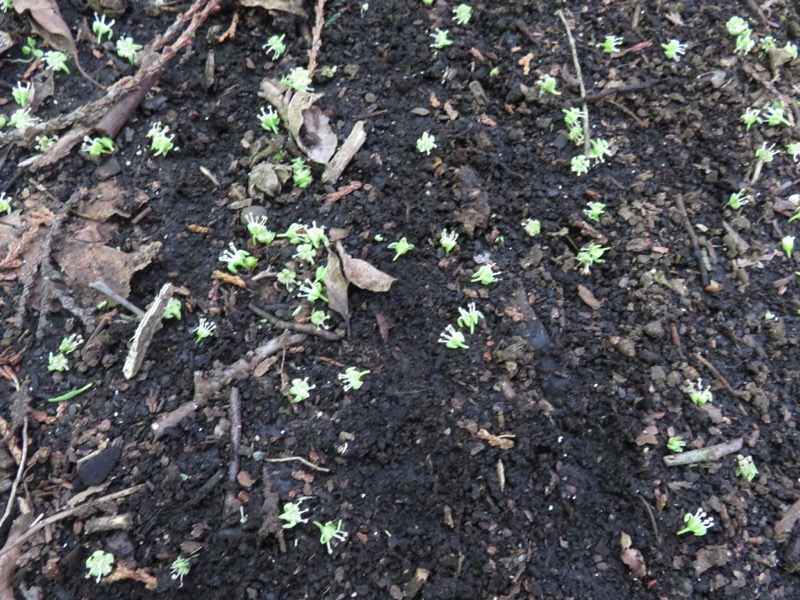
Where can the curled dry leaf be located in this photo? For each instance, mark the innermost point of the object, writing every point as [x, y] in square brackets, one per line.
[148, 327]
[588, 298]
[336, 287]
[342, 158]
[632, 557]
[268, 178]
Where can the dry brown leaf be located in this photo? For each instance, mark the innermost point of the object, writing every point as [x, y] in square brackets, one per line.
[588, 297]
[632, 557]
[244, 479]
[105, 201]
[501, 442]
[294, 7]
[475, 207]
[336, 287]
[46, 21]
[149, 325]
[362, 274]
[267, 177]
[342, 158]
[383, 327]
[648, 436]
[140, 575]
[310, 127]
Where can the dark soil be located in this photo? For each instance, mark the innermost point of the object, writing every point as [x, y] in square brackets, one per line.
[511, 469]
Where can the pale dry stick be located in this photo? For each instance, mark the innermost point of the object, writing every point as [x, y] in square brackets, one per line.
[64, 514]
[579, 75]
[711, 453]
[695, 244]
[652, 519]
[20, 470]
[310, 465]
[717, 375]
[300, 327]
[316, 38]
[235, 415]
[102, 287]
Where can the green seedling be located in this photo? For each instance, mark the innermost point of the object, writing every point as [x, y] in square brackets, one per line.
[97, 146]
[594, 210]
[70, 344]
[287, 278]
[744, 43]
[764, 154]
[590, 255]
[697, 393]
[300, 390]
[676, 444]
[440, 39]
[750, 117]
[736, 25]
[794, 217]
[611, 44]
[698, 523]
[768, 43]
[101, 28]
[737, 200]
[257, 228]
[426, 143]
[776, 115]
[204, 329]
[312, 291]
[315, 235]
[746, 467]
[275, 45]
[172, 310]
[485, 275]
[351, 378]
[462, 14]
[22, 94]
[580, 164]
[787, 245]
[791, 49]
[328, 71]
[30, 49]
[452, 339]
[306, 252]
[427, 2]
[5, 203]
[320, 273]
[448, 240]
[99, 564]
[318, 318]
[237, 259]
[299, 79]
[71, 394]
[674, 49]
[128, 49]
[6, 4]
[269, 120]
[532, 227]
[161, 139]
[45, 142]
[330, 531]
[301, 173]
[293, 514]
[400, 247]
[21, 119]
[469, 317]
[56, 61]
[599, 150]
[57, 362]
[794, 150]
[572, 116]
[494, 72]
[180, 568]
[547, 85]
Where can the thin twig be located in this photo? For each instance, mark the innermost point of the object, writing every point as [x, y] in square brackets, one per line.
[310, 465]
[579, 75]
[102, 287]
[300, 327]
[652, 519]
[20, 470]
[235, 415]
[717, 375]
[708, 454]
[695, 244]
[316, 38]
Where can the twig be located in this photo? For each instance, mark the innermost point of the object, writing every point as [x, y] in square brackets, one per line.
[173, 418]
[310, 465]
[637, 87]
[102, 287]
[717, 375]
[20, 470]
[711, 453]
[579, 75]
[300, 327]
[235, 415]
[652, 519]
[316, 38]
[64, 514]
[695, 244]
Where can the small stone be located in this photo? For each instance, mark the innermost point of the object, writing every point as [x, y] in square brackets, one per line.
[95, 470]
[654, 329]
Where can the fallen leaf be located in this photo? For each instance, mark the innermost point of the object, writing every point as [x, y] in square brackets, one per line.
[475, 209]
[648, 436]
[150, 324]
[495, 440]
[105, 201]
[244, 479]
[632, 557]
[362, 274]
[383, 327]
[711, 556]
[588, 298]
[336, 287]
[310, 127]
[267, 177]
[46, 21]
[342, 158]
[140, 575]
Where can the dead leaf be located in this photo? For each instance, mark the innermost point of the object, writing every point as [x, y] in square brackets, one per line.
[105, 201]
[148, 327]
[342, 158]
[499, 441]
[475, 209]
[310, 127]
[291, 6]
[383, 327]
[648, 436]
[244, 479]
[362, 274]
[46, 21]
[711, 556]
[267, 177]
[632, 557]
[336, 287]
[140, 575]
[588, 298]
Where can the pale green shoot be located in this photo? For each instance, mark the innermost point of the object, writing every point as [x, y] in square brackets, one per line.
[99, 564]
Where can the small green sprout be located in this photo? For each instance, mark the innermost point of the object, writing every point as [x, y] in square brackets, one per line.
[770, 316]
[5, 203]
[301, 173]
[676, 443]
[127, 48]
[172, 310]
[485, 274]
[21, 119]
[236, 259]
[532, 227]
[101, 28]
[697, 393]
[318, 318]
[328, 71]
[22, 93]
[306, 252]
[440, 39]
[737, 200]
[3, 121]
[276, 45]
[794, 150]
[287, 278]
[45, 142]
[590, 255]
[320, 273]
[787, 245]
[351, 378]
[299, 79]
[750, 117]
[744, 43]
[594, 210]
[160, 141]
[257, 228]
[30, 49]
[312, 291]
[99, 564]
[180, 568]
[768, 43]
[547, 85]
[698, 523]
[674, 49]
[379, 237]
[611, 44]
[400, 247]
[469, 317]
[97, 146]
[426, 143]
[6, 4]
[293, 514]
[316, 235]
[776, 115]
[462, 14]
[599, 150]
[203, 330]
[766, 154]
[57, 362]
[791, 49]
[448, 240]
[331, 531]
[70, 344]
[746, 467]
[736, 25]
[295, 234]
[494, 72]
[794, 217]
[572, 116]
[56, 61]
[452, 339]
[427, 2]
[269, 120]
[300, 390]
[580, 164]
